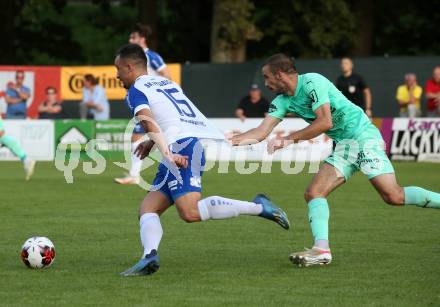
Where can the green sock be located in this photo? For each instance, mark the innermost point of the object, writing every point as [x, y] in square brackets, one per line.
[13, 145]
[421, 197]
[318, 218]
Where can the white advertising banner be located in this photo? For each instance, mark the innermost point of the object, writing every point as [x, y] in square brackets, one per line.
[36, 137]
[313, 150]
[415, 139]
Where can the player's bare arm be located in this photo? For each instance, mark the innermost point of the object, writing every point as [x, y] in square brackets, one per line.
[368, 102]
[165, 72]
[155, 134]
[257, 134]
[321, 124]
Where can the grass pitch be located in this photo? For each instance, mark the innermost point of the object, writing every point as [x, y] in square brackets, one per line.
[382, 255]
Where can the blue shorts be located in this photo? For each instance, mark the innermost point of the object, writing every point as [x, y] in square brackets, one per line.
[138, 129]
[188, 179]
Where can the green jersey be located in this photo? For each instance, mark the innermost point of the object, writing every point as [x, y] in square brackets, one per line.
[312, 91]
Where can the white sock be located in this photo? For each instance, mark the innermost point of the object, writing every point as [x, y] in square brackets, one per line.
[322, 244]
[217, 208]
[136, 163]
[151, 232]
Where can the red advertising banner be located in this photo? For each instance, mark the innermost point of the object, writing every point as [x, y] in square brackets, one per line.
[36, 78]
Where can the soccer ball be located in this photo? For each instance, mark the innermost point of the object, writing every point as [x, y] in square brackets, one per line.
[38, 252]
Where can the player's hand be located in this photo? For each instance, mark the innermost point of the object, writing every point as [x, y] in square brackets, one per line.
[143, 150]
[277, 143]
[369, 113]
[233, 138]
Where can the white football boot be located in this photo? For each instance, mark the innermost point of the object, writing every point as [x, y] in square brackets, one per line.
[313, 256]
[29, 166]
[128, 180]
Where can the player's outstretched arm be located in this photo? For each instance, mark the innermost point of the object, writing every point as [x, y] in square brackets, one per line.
[321, 124]
[257, 134]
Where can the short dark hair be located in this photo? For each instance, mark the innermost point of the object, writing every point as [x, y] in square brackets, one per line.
[51, 88]
[143, 30]
[91, 79]
[281, 62]
[133, 52]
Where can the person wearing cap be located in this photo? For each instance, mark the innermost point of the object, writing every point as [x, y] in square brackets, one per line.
[253, 105]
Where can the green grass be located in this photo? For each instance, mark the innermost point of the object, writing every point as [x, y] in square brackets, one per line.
[383, 256]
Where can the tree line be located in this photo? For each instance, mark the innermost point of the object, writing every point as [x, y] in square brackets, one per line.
[55, 32]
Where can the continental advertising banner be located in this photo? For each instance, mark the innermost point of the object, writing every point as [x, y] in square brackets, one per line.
[415, 139]
[72, 80]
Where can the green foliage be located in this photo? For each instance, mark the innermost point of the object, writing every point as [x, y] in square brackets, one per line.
[42, 36]
[407, 28]
[61, 32]
[317, 28]
[235, 24]
[50, 32]
[98, 34]
[183, 29]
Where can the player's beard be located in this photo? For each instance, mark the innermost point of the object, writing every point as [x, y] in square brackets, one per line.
[126, 85]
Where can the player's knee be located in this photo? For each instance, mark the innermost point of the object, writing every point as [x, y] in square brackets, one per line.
[189, 216]
[312, 193]
[394, 197]
[2, 133]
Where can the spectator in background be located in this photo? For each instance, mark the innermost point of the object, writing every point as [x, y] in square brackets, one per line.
[408, 96]
[94, 103]
[253, 105]
[432, 92]
[155, 64]
[353, 86]
[16, 96]
[50, 108]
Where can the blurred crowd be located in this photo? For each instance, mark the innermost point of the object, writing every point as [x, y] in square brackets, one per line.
[95, 105]
[409, 94]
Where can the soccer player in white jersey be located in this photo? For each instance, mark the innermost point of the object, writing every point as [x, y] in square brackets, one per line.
[156, 67]
[175, 125]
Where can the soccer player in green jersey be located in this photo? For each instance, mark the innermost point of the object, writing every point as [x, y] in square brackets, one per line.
[12, 144]
[359, 146]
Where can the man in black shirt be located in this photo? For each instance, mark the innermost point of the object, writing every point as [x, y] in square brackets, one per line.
[354, 87]
[252, 105]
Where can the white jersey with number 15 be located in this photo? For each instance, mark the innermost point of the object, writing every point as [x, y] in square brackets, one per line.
[175, 114]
